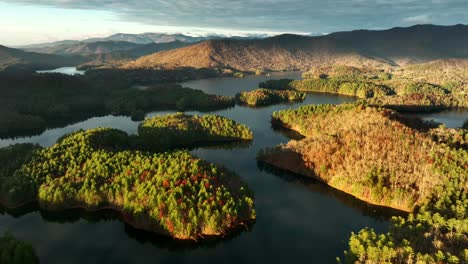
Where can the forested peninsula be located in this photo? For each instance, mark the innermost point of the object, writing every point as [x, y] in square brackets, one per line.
[375, 155]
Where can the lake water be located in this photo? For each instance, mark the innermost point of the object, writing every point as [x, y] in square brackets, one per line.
[451, 119]
[64, 70]
[229, 86]
[298, 220]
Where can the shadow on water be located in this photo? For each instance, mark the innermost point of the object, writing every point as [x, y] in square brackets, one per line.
[159, 241]
[289, 133]
[141, 236]
[243, 144]
[379, 213]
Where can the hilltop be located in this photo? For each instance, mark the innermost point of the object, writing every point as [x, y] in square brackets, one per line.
[285, 52]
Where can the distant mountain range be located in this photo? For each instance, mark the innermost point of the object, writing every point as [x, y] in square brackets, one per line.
[16, 59]
[144, 38]
[396, 46]
[87, 48]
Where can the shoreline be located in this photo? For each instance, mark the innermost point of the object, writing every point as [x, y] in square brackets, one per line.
[313, 176]
[126, 219]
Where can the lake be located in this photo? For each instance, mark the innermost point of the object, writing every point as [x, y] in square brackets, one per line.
[451, 119]
[64, 70]
[298, 220]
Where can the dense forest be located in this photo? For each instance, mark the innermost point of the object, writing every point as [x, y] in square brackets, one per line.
[371, 154]
[437, 232]
[172, 193]
[263, 97]
[353, 85]
[419, 102]
[181, 130]
[14, 251]
[399, 90]
[31, 104]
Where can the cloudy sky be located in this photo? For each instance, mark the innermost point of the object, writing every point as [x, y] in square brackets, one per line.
[33, 21]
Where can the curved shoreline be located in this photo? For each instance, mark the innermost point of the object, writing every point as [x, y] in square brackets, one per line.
[126, 219]
[301, 172]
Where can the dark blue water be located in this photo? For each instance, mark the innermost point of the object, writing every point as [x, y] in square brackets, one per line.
[298, 220]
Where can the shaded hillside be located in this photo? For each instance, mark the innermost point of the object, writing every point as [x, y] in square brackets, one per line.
[125, 56]
[287, 52]
[413, 44]
[85, 54]
[15, 59]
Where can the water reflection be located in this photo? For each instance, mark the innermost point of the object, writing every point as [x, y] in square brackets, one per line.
[73, 216]
[229, 86]
[451, 119]
[378, 212]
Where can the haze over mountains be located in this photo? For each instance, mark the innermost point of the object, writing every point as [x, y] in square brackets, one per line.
[396, 46]
[144, 38]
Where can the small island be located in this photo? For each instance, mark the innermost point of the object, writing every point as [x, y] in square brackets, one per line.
[182, 130]
[167, 192]
[263, 97]
[374, 155]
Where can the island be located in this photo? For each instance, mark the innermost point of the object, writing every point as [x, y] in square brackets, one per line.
[263, 97]
[154, 188]
[182, 130]
[374, 155]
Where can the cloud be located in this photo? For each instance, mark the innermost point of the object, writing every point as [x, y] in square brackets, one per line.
[277, 15]
[420, 19]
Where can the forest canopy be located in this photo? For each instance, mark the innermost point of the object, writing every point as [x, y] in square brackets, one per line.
[182, 130]
[372, 154]
[262, 96]
[172, 193]
[30, 104]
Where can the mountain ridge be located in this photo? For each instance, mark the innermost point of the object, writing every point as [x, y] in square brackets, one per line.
[15, 59]
[143, 38]
[396, 46]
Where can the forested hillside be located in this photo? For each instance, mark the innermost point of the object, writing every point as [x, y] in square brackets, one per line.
[373, 155]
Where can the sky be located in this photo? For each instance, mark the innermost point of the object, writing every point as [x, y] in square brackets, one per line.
[36, 21]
